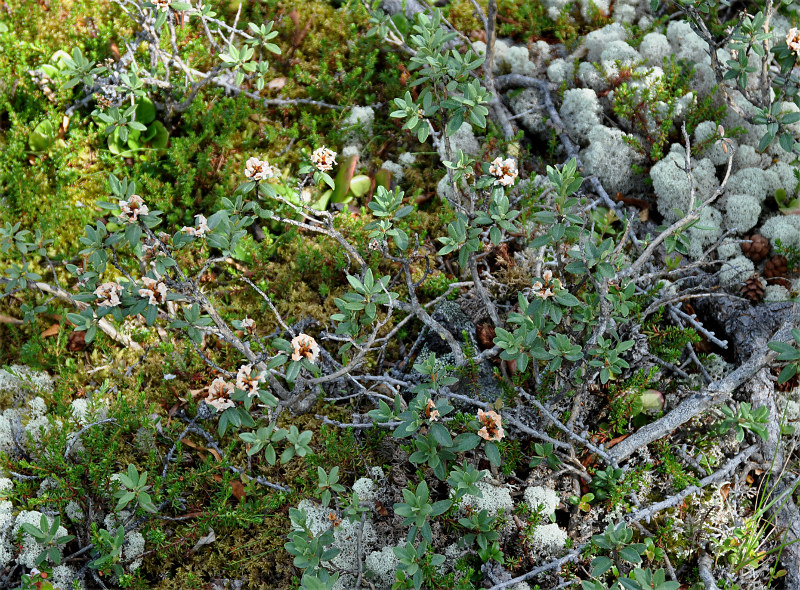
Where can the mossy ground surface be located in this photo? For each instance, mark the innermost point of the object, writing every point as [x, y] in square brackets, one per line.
[152, 394]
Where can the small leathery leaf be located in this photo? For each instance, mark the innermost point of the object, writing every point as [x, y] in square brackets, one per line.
[238, 489]
[51, 331]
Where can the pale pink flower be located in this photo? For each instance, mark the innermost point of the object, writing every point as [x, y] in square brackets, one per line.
[246, 382]
[201, 229]
[162, 4]
[108, 294]
[248, 324]
[504, 170]
[793, 40]
[323, 159]
[492, 425]
[256, 169]
[155, 291]
[305, 346]
[431, 413]
[132, 209]
[219, 393]
[149, 250]
[546, 290]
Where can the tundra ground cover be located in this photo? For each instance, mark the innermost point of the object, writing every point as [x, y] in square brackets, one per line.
[349, 295]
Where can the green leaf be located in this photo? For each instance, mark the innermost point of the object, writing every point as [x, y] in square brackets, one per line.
[631, 555]
[765, 141]
[492, 453]
[601, 565]
[42, 137]
[781, 347]
[787, 141]
[360, 185]
[440, 507]
[344, 178]
[787, 373]
[158, 136]
[441, 434]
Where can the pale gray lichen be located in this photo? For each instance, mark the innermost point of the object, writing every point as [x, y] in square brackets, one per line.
[500, 48]
[6, 520]
[741, 212]
[729, 249]
[686, 44]
[655, 48]
[591, 77]
[717, 367]
[555, 7]
[407, 159]
[704, 132]
[624, 11]
[786, 179]
[559, 70]
[749, 181]
[707, 231]
[345, 535]
[746, 156]
[74, 511]
[445, 190]
[8, 424]
[383, 564]
[668, 289]
[19, 380]
[612, 160]
[543, 51]
[365, 488]
[671, 183]
[63, 577]
[81, 409]
[358, 124]
[396, 169]
[549, 538]
[516, 60]
[134, 544]
[133, 550]
[37, 408]
[619, 50]
[736, 270]
[528, 106]
[464, 140]
[752, 132]
[776, 293]
[493, 500]
[785, 228]
[598, 39]
[541, 499]
[350, 150]
[589, 7]
[580, 111]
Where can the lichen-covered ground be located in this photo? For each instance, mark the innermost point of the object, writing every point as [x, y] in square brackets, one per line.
[622, 81]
